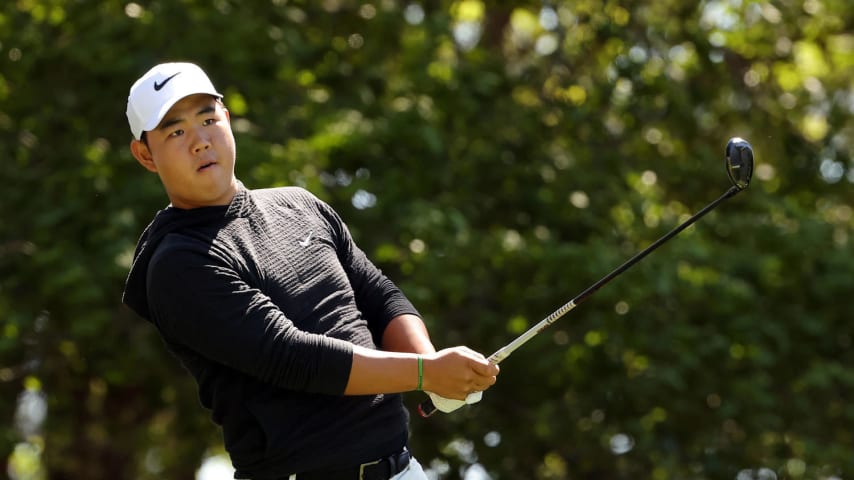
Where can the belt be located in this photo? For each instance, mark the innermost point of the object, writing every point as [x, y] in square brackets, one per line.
[382, 469]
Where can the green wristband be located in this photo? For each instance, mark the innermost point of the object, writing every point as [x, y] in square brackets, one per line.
[420, 373]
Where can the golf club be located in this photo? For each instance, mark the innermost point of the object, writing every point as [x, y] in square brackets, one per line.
[739, 166]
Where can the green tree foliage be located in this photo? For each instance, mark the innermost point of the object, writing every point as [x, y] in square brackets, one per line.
[495, 159]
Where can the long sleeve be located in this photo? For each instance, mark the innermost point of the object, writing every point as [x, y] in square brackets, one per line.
[205, 305]
[377, 297]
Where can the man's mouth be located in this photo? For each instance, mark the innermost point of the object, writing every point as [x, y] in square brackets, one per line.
[206, 165]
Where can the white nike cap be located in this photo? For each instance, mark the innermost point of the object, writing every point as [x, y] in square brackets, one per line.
[160, 88]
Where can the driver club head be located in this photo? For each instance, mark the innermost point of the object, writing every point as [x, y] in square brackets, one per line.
[739, 162]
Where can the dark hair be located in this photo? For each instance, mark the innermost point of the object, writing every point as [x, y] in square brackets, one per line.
[144, 138]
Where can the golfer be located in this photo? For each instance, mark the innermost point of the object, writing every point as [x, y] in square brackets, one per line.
[300, 346]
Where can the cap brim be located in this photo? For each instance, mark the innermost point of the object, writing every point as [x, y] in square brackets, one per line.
[164, 109]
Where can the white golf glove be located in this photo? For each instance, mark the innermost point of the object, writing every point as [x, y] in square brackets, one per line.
[447, 405]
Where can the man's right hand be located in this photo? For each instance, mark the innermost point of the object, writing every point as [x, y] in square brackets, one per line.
[455, 373]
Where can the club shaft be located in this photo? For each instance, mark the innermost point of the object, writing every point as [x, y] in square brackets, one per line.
[505, 351]
[427, 408]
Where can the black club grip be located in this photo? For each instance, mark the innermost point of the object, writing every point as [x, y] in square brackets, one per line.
[426, 408]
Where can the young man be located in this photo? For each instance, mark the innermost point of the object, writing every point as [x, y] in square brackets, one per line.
[299, 344]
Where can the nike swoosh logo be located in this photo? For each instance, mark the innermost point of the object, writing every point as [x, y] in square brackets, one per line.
[158, 86]
[307, 241]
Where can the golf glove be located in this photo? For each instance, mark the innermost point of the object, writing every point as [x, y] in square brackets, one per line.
[448, 405]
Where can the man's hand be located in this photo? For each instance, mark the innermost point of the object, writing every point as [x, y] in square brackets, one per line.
[455, 373]
[447, 405]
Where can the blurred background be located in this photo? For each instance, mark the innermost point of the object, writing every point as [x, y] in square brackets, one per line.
[494, 159]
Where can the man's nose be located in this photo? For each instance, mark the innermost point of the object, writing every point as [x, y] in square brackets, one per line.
[201, 142]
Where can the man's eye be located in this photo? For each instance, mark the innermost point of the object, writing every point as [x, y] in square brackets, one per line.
[176, 133]
[209, 121]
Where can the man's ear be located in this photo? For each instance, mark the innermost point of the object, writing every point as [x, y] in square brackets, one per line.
[142, 155]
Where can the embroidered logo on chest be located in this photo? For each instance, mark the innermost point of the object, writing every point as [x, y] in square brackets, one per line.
[307, 240]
